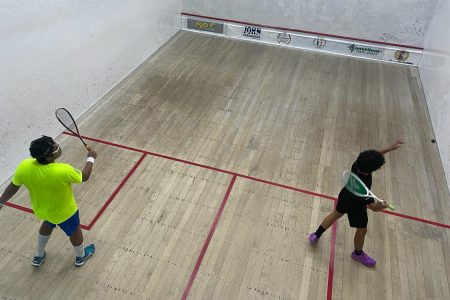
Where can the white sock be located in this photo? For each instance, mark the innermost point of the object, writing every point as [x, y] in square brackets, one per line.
[79, 250]
[42, 241]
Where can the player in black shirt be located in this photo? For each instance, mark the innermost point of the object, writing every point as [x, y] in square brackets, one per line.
[356, 207]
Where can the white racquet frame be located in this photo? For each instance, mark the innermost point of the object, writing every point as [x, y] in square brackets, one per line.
[346, 177]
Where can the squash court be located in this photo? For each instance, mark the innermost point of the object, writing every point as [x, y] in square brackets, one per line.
[217, 158]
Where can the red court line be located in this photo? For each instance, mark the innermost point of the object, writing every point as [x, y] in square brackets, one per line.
[208, 240]
[153, 154]
[303, 31]
[416, 219]
[116, 191]
[19, 207]
[288, 187]
[331, 260]
[29, 210]
[252, 178]
[206, 167]
[102, 210]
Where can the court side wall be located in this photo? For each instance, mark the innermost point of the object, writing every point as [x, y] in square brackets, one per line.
[434, 70]
[69, 54]
[393, 21]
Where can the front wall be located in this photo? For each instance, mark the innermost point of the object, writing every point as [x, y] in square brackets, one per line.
[400, 21]
[69, 54]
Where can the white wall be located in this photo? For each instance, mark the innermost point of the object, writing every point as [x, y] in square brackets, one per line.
[69, 54]
[435, 74]
[393, 21]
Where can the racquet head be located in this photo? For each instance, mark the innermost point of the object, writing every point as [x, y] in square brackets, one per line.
[357, 187]
[66, 119]
[354, 185]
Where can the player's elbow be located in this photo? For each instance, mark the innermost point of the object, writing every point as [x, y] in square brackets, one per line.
[86, 177]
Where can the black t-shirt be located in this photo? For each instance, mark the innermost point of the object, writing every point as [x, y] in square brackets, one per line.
[367, 179]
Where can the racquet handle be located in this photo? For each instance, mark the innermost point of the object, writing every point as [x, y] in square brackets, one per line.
[390, 206]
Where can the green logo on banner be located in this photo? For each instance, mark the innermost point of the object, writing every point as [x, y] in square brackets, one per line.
[364, 50]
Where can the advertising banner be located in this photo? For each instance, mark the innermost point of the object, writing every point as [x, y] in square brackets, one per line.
[305, 41]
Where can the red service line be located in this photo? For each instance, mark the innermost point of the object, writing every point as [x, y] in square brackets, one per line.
[208, 239]
[288, 187]
[153, 154]
[303, 31]
[206, 167]
[416, 219]
[252, 178]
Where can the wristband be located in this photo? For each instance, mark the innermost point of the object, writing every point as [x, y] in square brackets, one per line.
[90, 159]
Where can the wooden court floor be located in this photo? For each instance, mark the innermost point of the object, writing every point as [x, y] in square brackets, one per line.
[216, 159]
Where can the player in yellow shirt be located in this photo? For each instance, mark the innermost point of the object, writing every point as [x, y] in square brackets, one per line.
[50, 187]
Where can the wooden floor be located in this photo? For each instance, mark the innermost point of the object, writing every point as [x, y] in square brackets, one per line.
[217, 157]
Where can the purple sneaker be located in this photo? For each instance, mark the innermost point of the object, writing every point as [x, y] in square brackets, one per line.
[364, 259]
[313, 239]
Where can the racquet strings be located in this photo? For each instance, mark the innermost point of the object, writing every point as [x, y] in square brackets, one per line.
[65, 118]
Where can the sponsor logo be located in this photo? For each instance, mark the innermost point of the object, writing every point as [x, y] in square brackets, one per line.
[252, 32]
[284, 38]
[401, 55]
[319, 42]
[205, 26]
[364, 50]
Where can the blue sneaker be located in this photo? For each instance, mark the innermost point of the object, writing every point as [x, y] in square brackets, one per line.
[38, 261]
[88, 252]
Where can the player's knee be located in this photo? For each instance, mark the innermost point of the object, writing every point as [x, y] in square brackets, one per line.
[362, 230]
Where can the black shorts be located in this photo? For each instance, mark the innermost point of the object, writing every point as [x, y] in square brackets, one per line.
[356, 211]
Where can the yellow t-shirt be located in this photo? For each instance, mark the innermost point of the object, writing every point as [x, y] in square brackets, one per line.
[50, 188]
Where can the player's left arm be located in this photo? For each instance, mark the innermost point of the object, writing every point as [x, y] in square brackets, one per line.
[10, 191]
[397, 144]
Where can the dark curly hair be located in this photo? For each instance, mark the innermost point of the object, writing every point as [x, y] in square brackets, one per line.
[369, 161]
[40, 148]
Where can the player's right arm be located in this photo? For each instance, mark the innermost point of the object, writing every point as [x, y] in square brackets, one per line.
[378, 206]
[10, 191]
[87, 170]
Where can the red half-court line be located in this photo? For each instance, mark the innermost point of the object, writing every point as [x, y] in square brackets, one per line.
[447, 226]
[208, 240]
[116, 191]
[331, 260]
[303, 31]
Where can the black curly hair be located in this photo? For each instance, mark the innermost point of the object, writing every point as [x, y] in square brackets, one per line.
[369, 161]
[41, 147]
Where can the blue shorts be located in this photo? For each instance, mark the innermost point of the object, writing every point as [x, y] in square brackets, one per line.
[69, 225]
